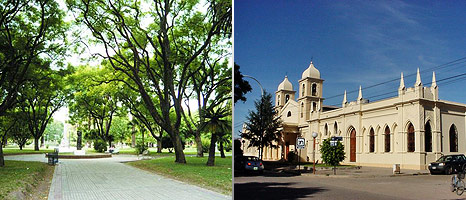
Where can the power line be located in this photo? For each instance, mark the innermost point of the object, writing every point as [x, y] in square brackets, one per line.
[445, 65]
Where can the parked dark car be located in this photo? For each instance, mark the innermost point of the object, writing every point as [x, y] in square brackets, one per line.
[249, 164]
[448, 164]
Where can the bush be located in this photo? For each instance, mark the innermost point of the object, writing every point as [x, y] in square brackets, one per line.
[332, 155]
[205, 145]
[228, 146]
[140, 148]
[292, 156]
[100, 146]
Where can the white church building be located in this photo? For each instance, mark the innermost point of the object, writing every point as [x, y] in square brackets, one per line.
[412, 129]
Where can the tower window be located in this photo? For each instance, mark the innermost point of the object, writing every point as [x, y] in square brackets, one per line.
[278, 100]
[314, 89]
[314, 106]
[302, 109]
[304, 89]
[287, 97]
[289, 114]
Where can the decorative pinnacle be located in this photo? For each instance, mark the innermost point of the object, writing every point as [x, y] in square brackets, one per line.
[344, 98]
[402, 82]
[360, 93]
[418, 78]
[434, 83]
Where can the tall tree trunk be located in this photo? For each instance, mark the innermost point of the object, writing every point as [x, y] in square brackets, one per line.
[42, 141]
[2, 160]
[197, 139]
[211, 159]
[21, 146]
[222, 153]
[133, 138]
[180, 158]
[5, 142]
[159, 146]
[36, 144]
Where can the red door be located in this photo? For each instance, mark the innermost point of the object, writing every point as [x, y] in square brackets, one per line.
[287, 151]
[353, 146]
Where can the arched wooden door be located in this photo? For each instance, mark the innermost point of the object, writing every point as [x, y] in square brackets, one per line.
[353, 146]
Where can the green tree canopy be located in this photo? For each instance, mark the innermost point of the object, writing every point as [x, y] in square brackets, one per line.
[332, 155]
[262, 125]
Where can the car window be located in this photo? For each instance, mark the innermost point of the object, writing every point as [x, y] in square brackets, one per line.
[444, 159]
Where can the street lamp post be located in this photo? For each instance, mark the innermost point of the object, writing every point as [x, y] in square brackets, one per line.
[262, 89]
[314, 135]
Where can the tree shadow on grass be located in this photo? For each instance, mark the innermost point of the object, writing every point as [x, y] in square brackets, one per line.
[271, 190]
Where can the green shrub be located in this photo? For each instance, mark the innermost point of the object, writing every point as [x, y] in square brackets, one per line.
[100, 145]
[140, 148]
[292, 156]
[205, 145]
[332, 155]
[228, 146]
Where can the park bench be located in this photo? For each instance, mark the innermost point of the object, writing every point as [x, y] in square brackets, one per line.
[52, 157]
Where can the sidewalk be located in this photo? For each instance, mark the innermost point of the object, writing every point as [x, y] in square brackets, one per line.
[108, 178]
[350, 171]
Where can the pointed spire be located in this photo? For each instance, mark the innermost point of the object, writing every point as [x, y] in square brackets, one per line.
[344, 98]
[418, 78]
[360, 93]
[402, 82]
[434, 83]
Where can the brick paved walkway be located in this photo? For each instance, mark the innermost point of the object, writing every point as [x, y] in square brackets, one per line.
[108, 178]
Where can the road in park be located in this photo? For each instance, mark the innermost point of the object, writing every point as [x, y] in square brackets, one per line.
[110, 178]
[272, 185]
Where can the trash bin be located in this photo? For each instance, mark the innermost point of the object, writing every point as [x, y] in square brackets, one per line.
[396, 168]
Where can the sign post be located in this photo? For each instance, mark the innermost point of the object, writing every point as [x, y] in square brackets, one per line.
[300, 144]
[334, 142]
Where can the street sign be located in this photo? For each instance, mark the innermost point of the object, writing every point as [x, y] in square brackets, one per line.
[300, 143]
[333, 143]
[337, 138]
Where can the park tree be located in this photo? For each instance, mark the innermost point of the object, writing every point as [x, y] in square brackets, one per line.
[137, 109]
[218, 124]
[262, 125]
[241, 86]
[120, 128]
[154, 44]
[19, 132]
[332, 155]
[210, 87]
[94, 100]
[40, 98]
[7, 123]
[30, 31]
[54, 131]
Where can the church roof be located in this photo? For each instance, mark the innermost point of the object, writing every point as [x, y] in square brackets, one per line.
[311, 72]
[285, 85]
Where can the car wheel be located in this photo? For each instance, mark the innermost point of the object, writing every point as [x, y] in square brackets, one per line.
[448, 170]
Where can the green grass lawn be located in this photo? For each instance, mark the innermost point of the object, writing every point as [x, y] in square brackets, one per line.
[9, 150]
[20, 176]
[217, 178]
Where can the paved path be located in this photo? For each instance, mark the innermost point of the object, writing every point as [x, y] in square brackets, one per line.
[109, 178]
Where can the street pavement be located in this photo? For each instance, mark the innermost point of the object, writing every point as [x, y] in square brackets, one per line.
[372, 183]
[109, 178]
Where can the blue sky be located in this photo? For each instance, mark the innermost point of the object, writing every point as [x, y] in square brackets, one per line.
[352, 43]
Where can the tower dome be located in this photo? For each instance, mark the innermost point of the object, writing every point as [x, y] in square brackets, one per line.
[311, 72]
[285, 85]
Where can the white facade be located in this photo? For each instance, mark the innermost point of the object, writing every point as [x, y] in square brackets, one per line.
[411, 129]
